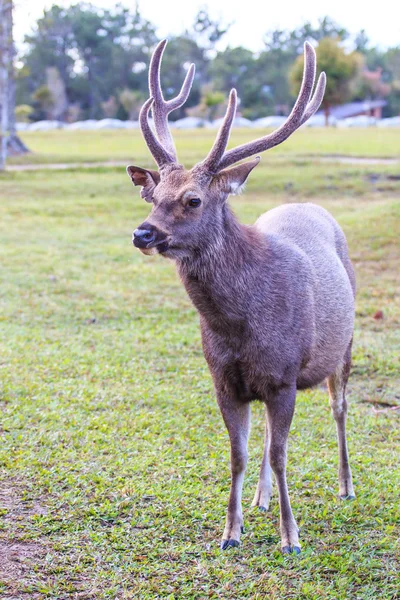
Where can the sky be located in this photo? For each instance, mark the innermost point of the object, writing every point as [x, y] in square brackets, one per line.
[251, 18]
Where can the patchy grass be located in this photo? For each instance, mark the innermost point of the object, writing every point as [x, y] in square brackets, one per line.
[114, 458]
[121, 145]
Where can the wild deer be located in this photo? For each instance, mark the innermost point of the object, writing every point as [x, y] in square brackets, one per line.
[276, 300]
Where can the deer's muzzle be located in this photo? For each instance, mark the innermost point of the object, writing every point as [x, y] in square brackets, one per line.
[149, 239]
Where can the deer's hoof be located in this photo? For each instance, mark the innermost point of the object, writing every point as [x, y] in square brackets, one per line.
[262, 508]
[348, 497]
[291, 550]
[229, 544]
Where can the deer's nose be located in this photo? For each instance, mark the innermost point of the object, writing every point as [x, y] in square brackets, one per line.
[142, 236]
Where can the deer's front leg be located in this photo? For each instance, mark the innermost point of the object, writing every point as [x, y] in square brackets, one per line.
[280, 409]
[236, 415]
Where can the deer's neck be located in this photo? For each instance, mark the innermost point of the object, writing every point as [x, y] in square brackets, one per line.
[220, 275]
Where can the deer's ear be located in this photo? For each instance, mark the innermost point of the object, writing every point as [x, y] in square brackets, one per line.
[233, 180]
[146, 178]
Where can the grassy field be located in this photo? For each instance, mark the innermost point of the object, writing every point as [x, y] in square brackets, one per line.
[117, 145]
[114, 461]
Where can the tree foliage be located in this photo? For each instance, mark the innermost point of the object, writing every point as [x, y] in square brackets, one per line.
[96, 52]
[101, 58]
[23, 112]
[132, 101]
[341, 70]
[44, 100]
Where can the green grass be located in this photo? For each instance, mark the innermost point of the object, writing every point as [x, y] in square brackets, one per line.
[121, 145]
[114, 460]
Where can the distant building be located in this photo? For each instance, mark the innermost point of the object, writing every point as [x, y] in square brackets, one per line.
[373, 89]
[370, 108]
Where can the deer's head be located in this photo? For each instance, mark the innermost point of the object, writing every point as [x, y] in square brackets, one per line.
[188, 205]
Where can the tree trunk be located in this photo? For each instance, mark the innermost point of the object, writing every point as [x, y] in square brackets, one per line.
[15, 145]
[91, 88]
[10, 142]
[4, 76]
[327, 112]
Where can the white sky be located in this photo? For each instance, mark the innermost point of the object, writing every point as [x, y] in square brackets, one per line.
[252, 18]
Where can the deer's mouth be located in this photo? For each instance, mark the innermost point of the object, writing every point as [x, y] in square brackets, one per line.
[150, 240]
[158, 248]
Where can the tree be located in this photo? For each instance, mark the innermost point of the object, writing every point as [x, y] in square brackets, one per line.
[96, 52]
[235, 68]
[57, 89]
[361, 42]
[94, 55]
[45, 101]
[211, 103]
[341, 70]
[23, 112]
[392, 69]
[5, 59]
[10, 142]
[381, 76]
[272, 67]
[371, 85]
[207, 31]
[181, 51]
[50, 45]
[292, 42]
[213, 100]
[110, 107]
[282, 47]
[132, 101]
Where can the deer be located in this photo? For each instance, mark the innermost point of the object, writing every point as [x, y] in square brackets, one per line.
[275, 300]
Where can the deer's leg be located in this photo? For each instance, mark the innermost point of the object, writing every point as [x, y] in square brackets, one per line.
[337, 387]
[280, 409]
[236, 415]
[264, 487]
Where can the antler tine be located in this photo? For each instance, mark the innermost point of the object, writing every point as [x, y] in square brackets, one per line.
[160, 154]
[221, 141]
[316, 99]
[293, 122]
[154, 72]
[183, 95]
[161, 108]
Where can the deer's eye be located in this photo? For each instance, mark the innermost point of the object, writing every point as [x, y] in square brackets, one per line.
[194, 202]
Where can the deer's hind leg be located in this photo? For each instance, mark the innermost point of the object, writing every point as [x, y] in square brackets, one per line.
[337, 396]
[280, 409]
[264, 487]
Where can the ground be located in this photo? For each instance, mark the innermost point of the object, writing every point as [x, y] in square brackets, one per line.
[114, 460]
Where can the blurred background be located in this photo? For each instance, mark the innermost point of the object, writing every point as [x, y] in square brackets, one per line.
[82, 62]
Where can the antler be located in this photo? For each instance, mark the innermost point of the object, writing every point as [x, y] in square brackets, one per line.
[303, 109]
[163, 148]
